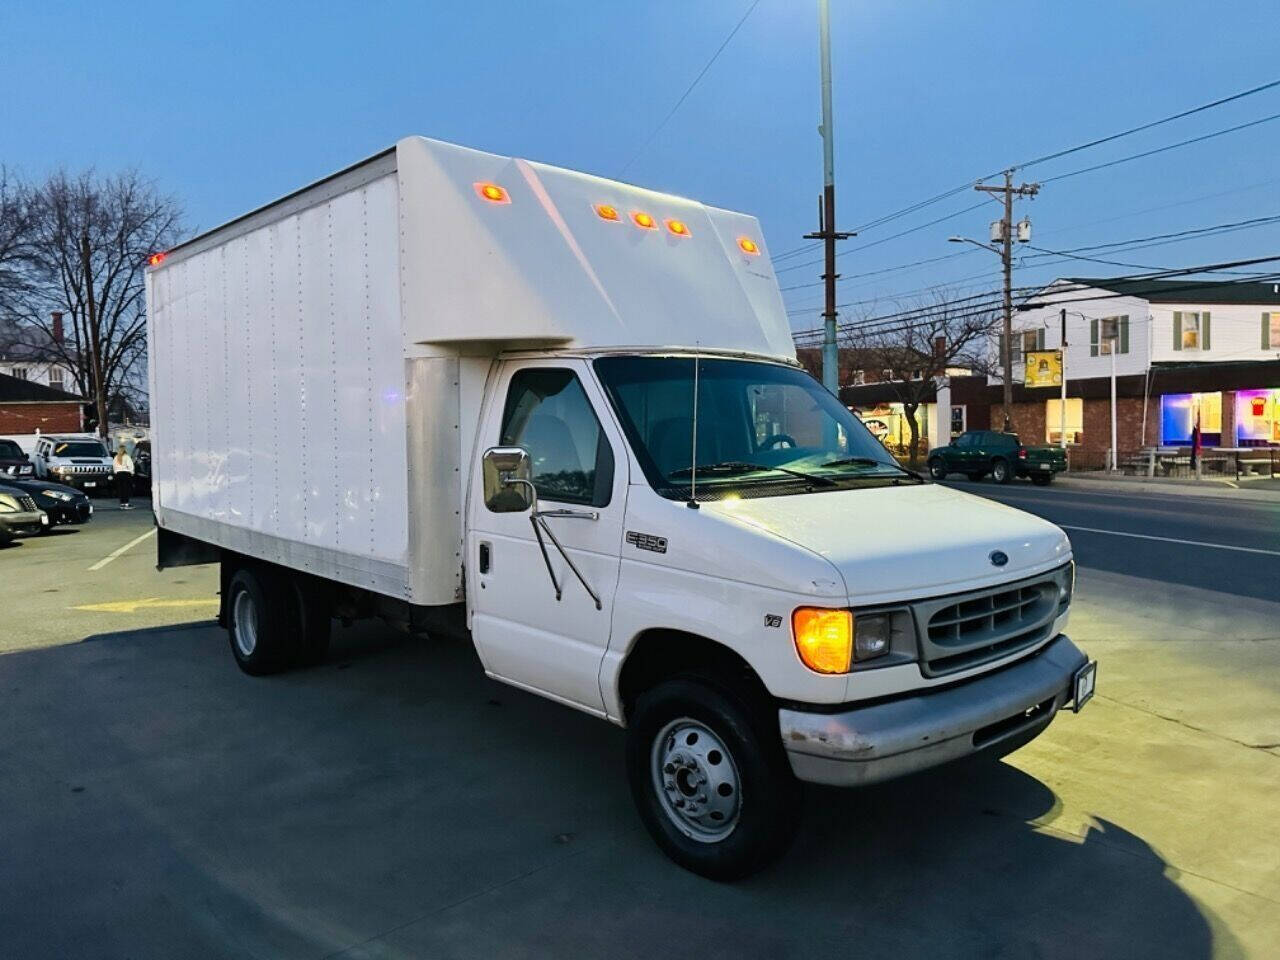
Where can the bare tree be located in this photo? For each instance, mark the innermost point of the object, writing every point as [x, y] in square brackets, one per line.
[89, 240]
[16, 215]
[937, 333]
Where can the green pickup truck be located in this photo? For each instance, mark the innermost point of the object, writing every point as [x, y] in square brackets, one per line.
[975, 453]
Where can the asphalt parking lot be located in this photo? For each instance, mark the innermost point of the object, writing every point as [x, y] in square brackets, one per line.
[393, 802]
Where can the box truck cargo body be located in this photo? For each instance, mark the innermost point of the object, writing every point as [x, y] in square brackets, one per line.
[568, 410]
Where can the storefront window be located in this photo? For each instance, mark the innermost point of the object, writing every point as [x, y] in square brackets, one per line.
[1053, 420]
[1258, 416]
[1178, 414]
[888, 424]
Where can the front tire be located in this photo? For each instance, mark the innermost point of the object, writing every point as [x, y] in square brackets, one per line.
[937, 469]
[1000, 471]
[710, 778]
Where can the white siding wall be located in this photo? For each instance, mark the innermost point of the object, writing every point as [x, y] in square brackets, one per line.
[1235, 332]
[1089, 303]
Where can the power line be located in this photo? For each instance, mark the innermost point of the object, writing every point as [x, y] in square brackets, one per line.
[1154, 123]
[689, 89]
[946, 194]
[1164, 149]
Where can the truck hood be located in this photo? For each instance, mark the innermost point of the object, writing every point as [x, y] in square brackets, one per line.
[900, 543]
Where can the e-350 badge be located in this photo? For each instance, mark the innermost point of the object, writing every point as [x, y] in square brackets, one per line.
[647, 541]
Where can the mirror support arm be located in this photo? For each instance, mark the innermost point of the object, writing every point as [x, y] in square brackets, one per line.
[540, 526]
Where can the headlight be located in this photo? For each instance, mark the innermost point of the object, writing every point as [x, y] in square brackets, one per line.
[871, 636]
[57, 495]
[1068, 586]
[9, 503]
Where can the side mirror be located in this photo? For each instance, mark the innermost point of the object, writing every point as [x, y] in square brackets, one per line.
[507, 484]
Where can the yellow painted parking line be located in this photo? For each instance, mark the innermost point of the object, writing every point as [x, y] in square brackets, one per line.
[128, 546]
[150, 603]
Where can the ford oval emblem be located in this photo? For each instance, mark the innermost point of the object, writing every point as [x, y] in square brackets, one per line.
[999, 558]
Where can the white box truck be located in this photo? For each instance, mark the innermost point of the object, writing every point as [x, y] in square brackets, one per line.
[564, 414]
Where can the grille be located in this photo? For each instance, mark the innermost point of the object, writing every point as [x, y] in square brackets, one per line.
[970, 629]
[28, 504]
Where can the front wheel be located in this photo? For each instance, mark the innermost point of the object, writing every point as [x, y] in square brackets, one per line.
[1000, 471]
[937, 469]
[710, 778]
[1041, 479]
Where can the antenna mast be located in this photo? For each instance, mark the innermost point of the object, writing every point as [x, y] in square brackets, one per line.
[693, 454]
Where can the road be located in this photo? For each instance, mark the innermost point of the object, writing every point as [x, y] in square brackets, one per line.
[395, 803]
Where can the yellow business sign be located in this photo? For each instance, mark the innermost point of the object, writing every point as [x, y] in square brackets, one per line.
[1044, 368]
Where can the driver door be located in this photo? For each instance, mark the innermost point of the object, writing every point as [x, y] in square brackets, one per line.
[525, 634]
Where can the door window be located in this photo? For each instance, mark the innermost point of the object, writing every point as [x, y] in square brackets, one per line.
[966, 440]
[549, 415]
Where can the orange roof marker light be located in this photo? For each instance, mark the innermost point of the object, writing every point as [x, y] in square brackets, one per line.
[155, 259]
[748, 246]
[607, 212]
[678, 227]
[644, 221]
[492, 192]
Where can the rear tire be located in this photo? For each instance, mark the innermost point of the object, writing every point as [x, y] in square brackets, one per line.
[262, 621]
[937, 469]
[710, 779]
[1001, 471]
[1041, 479]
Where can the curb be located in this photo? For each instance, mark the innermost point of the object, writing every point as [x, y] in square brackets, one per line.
[1210, 489]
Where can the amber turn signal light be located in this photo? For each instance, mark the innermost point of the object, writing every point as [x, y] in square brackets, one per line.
[492, 192]
[824, 638]
[748, 246]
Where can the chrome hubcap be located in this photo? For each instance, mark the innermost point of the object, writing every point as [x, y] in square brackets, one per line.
[696, 780]
[244, 617]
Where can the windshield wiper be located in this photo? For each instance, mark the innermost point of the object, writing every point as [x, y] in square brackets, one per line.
[872, 462]
[741, 466]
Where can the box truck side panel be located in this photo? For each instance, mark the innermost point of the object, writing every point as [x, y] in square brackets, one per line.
[280, 389]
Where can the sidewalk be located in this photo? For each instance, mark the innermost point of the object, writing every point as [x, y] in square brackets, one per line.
[1261, 490]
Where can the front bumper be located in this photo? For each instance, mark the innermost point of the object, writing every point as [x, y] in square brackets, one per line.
[26, 523]
[996, 712]
[89, 483]
[74, 512]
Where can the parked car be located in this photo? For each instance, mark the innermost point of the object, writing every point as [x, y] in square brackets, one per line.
[77, 461]
[19, 515]
[976, 453]
[142, 465]
[63, 504]
[14, 462]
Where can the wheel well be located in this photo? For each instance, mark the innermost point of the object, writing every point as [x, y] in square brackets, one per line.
[659, 655]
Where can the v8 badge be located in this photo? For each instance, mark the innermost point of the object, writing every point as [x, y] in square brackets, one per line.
[772, 620]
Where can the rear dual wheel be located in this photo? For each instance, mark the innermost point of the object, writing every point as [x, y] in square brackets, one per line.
[275, 621]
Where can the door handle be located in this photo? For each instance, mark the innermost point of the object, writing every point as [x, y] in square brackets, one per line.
[485, 559]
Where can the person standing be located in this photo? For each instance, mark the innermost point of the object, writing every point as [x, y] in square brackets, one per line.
[122, 467]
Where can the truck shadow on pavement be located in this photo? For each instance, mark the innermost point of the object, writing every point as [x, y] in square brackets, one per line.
[396, 803]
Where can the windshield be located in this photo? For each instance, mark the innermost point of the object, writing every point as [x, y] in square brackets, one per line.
[11, 451]
[763, 429]
[79, 448]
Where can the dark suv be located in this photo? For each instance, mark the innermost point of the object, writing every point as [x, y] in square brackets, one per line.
[13, 462]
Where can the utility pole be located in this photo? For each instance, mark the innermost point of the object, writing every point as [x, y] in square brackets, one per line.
[1062, 404]
[827, 232]
[1006, 257]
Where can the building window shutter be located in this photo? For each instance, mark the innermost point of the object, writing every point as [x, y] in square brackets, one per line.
[1040, 339]
[1093, 337]
[1177, 330]
[1204, 331]
[1266, 331]
[1000, 347]
[1124, 334]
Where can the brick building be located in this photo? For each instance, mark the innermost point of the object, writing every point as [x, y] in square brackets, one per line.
[29, 407]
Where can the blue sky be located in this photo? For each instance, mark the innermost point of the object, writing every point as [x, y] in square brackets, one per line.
[231, 104]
